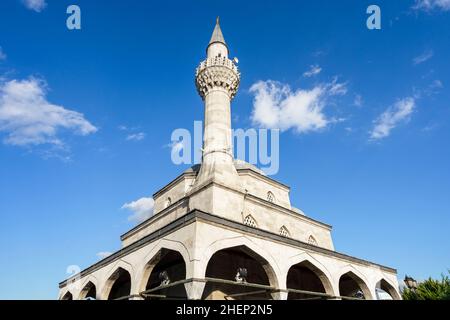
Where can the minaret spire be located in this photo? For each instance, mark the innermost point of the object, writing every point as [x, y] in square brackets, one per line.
[217, 35]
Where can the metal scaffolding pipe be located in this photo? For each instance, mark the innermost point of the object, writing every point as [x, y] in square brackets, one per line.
[234, 295]
[263, 289]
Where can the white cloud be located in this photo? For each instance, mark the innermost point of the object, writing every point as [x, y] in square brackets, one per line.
[427, 55]
[336, 88]
[428, 5]
[35, 5]
[136, 136]
[436, 84]
[29, 119]
[434, 88]
[314, 70]
[358, 101]
[430, 127]
[2, 54]
[142, 209]
[319, 53]
[394, 115]
[275, 105]
[132, 133]
[103, 254]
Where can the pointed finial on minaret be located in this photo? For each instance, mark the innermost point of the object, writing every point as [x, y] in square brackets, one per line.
[217, 35]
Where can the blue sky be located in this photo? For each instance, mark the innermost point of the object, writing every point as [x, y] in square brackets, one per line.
[374, 162]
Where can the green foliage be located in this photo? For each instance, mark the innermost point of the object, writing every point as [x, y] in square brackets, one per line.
[430, 290]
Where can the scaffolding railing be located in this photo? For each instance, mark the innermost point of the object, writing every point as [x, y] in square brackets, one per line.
[259, 289]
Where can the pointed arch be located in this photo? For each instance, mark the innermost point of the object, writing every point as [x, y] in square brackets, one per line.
[351, 280]
[312, 240]
[269, 264]
[149, 262]
[305, 260]
[250, 221]
[168, 261]
[284, 232]
[89, 290]
[120, 284]
[119, 270]
[67, 296]
[270, 197]
[387, 287]
[227, 264]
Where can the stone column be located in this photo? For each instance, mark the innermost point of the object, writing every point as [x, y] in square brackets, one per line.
[279, 295]
[195, 270]
[195, 289]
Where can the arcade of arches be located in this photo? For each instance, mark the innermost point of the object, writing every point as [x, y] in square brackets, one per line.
[164, 276]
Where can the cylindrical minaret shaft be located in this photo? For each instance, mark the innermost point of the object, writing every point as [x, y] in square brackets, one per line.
[217, 81]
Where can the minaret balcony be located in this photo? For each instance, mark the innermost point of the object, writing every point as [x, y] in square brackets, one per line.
[217, 61]
[217, 72]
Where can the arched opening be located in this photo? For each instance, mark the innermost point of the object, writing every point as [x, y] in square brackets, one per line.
[312, 241]
[165, 268]
[240, 265]
[67, 296]
[284, 232]
[89, 292]
[270, 197]
[350, 285]
[307, 277]
[121, 284]
[385, 291]
[168, 202]
[250, 221]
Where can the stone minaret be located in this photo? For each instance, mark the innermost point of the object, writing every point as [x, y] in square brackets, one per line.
[217, 80]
